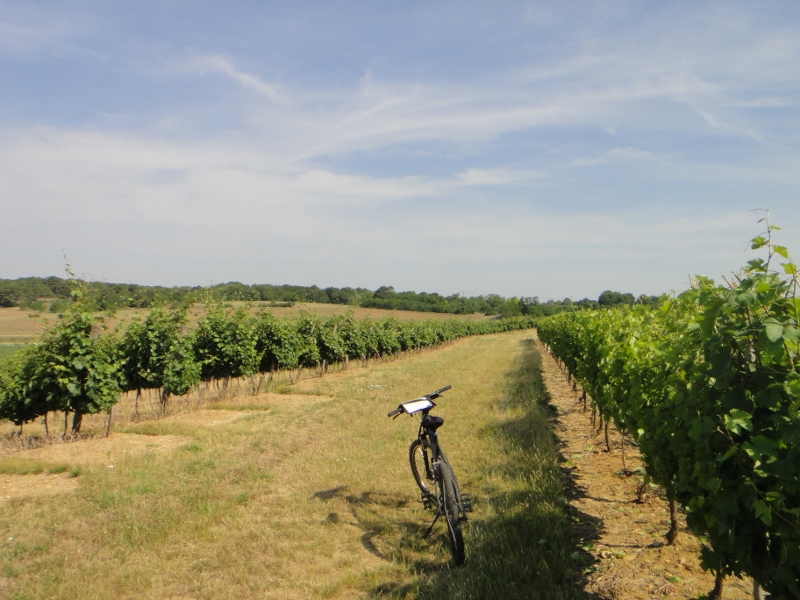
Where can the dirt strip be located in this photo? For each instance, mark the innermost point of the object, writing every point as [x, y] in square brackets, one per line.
[625, 550]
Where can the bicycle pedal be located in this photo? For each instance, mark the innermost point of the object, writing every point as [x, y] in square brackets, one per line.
[427, 501]
[466, 502]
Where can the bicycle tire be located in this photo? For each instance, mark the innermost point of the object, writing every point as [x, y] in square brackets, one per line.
[421, 467]
[443, 459]
[452, 512]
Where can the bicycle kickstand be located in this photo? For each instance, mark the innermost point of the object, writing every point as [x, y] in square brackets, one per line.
[427, 533]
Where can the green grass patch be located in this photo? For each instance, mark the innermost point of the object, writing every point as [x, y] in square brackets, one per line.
[11, 465]
[7, 350]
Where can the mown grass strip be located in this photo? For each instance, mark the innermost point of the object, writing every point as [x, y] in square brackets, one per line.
[522, 547]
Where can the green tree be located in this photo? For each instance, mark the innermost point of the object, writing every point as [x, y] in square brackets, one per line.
[609, 298]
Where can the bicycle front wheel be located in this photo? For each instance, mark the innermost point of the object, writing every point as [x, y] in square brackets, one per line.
[420, 458]
[452, 512]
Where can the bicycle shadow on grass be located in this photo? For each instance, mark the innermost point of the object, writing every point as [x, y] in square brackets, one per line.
[386, 533]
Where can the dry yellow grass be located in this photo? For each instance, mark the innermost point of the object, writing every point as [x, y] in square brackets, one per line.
[307, 495]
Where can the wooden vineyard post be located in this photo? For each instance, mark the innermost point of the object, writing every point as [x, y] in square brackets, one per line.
[110, 422]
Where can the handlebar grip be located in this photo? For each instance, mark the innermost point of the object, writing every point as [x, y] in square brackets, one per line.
[438, 393]
[395, 412]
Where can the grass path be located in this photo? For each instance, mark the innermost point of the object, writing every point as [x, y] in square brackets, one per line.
[310, 496]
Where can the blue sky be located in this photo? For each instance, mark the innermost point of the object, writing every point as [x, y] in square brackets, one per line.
[520, 148]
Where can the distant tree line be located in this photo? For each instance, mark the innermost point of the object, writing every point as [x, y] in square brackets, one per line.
[53, 293]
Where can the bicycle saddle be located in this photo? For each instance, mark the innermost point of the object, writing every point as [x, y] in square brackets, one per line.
[431, 422]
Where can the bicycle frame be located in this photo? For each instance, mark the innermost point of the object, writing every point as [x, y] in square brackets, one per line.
[429, 438]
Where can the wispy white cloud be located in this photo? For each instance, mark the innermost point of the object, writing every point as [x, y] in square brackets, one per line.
[222, 66]
[408, 113]
[662, 79]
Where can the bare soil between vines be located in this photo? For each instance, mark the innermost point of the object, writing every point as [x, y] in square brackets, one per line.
[625, 550]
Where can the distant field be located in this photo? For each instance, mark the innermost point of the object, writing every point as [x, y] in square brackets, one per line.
[327, 310]
[24, 326]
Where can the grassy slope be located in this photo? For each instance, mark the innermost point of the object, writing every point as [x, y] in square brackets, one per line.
[313, 498]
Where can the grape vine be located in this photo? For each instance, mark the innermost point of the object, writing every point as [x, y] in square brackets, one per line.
[708, 386]
[79, 368]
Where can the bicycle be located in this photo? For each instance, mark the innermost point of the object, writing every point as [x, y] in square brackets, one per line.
[434, 475]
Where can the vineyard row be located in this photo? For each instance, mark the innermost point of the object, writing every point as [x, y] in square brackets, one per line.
[80, 368]
[708, 387]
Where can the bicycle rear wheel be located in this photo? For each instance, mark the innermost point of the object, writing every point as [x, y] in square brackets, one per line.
[452, 512]
[456, 488]
[420, 458]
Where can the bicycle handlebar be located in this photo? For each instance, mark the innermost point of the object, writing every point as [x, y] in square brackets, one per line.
[438, 393]
[433, 395]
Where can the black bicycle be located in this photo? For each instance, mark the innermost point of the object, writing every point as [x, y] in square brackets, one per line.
[433, 473]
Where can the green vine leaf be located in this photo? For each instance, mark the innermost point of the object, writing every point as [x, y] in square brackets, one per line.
[738, 420]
